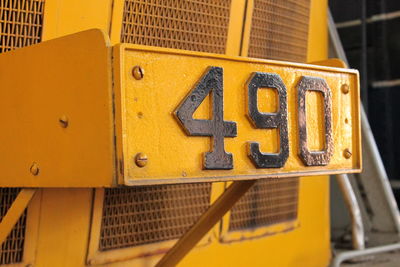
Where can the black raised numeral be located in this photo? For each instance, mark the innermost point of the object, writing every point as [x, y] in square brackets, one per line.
[268, 120]
[314, 158]
[217, 128]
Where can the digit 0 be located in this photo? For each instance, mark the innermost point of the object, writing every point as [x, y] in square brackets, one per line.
[314, 158]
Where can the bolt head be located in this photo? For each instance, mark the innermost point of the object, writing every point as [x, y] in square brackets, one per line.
[347, 153]
[141, 160]
[63, 120]
[34, 169]
[137, 72]
[345, 89]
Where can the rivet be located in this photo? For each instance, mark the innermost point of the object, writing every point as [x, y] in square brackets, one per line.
[63, 121]
[345, 89]
[34, 169]
[141, 160]
[347, 154]
[137, 72]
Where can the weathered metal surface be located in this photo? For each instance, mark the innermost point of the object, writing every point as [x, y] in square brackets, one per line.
[276, 120]
[147, 112]
[217, 128]
[315, 158]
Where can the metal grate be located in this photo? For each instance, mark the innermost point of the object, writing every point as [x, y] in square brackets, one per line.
[143, 215]
[21, 23]
[268, 202]
[12, 250]
[279, 30]
[197, 25]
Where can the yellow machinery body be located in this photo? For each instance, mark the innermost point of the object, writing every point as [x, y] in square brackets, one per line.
[67, 226]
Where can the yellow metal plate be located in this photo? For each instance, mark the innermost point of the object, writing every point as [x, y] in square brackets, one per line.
[146, 121]
[67, 79]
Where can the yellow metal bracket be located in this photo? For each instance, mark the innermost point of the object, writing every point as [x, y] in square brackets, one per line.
[15, 212]
[57, 115]
[216, 211]
[74, 115]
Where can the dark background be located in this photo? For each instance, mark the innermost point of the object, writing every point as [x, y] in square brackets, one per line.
[381, 98]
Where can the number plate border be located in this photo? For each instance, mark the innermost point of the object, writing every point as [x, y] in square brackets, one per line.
[119, 53]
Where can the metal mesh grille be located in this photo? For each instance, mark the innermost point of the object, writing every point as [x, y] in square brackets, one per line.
[12, 250]
[197, 25]
[279, 30]
[268, 202]
[21, 23]
[143, 215]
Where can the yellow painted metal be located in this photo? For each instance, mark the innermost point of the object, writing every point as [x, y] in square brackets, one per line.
[318, 31]
[14, 212]
[32, 227]
[216, 211]
[148, 125]
[63, 227]
[65, 220]
[306, 245]
[64, 17]
[68, 77]
[332, 62]
[72, 174]
[247, 28]
[307, 241]
[238, 9]
[116, 22]
[65, 215]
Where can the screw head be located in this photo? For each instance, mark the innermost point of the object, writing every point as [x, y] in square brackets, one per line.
[34, 169]
[63, 120]
[138, 72]
[347, 153]
[141, 160]
[345, 89]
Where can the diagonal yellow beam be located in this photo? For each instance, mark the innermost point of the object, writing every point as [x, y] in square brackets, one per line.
[14, 212]
[216, 211]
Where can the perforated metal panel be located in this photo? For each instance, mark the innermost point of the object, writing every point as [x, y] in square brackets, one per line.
[149, 214]
[279, 30]
[12, 250]
[21, 23]
[269, 201]
[198, 25]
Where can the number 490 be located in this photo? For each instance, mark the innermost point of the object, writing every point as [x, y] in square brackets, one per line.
[218, 129]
